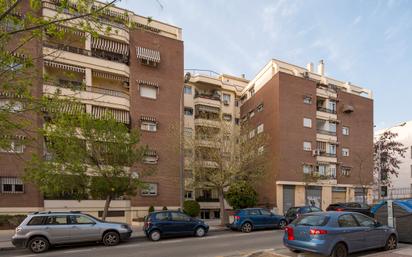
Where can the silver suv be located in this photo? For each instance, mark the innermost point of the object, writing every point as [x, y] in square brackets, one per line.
[40, 230]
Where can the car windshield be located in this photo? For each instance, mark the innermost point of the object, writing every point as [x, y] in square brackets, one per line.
[311, 220]
[292, 211]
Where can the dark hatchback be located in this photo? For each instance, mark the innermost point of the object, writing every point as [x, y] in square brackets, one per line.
[295, 212]
[353, 207]
[250, 219]
[173, 223]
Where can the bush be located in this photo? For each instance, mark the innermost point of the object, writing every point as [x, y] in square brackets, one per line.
[11, 221]
[164, 208]
[241, 195]
[191, 208]
[151, 209]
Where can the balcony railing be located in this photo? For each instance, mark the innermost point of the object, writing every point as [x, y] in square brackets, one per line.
[326, 132]
[106, 91]
[327, 154]
[206, 199]
[207, 96]
[323, 109]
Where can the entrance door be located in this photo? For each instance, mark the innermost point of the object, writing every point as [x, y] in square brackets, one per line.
[314, 196]
[338, 194]
[288, 197]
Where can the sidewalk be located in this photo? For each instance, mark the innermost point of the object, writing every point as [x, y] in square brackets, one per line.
[5, 235]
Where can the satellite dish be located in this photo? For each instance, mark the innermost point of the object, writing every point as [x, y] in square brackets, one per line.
[187, 77]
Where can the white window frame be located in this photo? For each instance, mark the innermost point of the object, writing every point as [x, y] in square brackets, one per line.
[187, 90]
[13, 107]
[151, 89]
[307, 100]
[307, 169]
[307, 146]
[345, 131]
[345, 151]
[151, 190]
[13, 181]
[260, 128]
[148, 126]
[307, 123]
[226, 98]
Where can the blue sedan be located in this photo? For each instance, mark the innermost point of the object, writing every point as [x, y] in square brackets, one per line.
[337, 234]
[249, 219]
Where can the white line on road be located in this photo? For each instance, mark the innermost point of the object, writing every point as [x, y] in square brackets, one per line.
[79, 251]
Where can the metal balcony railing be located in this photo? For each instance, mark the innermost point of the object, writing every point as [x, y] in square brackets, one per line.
[206, 199]
[326, 132]
[208, 96]
[323, 109]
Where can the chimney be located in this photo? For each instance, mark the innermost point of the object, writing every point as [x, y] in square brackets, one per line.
[321, 68]
[309, 67]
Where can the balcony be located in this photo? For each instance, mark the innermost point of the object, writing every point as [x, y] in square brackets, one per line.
[206, 199]
[207, 123]
[326, 132]
[323, 109]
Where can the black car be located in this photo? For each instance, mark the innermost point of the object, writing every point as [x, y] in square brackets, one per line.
[295, 212]
[173, 223]
[353, 207]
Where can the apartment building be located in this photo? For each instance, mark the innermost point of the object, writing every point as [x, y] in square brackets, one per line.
[400, 185]
[321, 135]
[210, 100]
[135, 73]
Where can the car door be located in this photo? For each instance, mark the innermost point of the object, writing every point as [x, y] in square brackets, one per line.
[269, 219]
[374, 236]
[163, 222]
[181, 223]
[83, 229]
[351, 232]
[257, 219]
[58, 229]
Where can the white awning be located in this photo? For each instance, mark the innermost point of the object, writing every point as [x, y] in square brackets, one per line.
[148, 54]
[148, 118]
[110, 46]
[147, 83]
[206, 108]
[64, 66]
[120, 115]
[107, 75]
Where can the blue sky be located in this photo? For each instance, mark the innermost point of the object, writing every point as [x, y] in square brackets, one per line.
[368, 43]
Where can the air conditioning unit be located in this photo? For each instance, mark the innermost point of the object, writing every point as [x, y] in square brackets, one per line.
[316, 152]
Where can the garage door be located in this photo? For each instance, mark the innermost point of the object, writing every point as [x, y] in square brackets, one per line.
[338, 194]
[314, 196]
[288, 197]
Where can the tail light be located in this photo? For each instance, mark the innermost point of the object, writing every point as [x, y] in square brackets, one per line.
[147, 224]
[339, 209]
[237, 217]
[318, 232]
[289, 231]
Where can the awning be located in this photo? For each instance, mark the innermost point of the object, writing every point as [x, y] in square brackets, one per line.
[11, 180]
[334, 120]
[148, 54]
[64, 66]
[111, 13]
[152, 153]
[106, 75]
[71, 31]
[147, 83]
[148, 118]
[147, 27]
[348, 108]
[19, 137]
[110, 46]
[120, 115]
[205, 108]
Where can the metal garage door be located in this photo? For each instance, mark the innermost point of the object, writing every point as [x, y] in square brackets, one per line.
[314, 196]
[338, 194]
[288, 197]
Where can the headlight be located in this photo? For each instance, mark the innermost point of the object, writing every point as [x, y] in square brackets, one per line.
[18, 229]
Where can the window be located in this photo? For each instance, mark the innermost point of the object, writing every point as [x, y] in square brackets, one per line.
[237, 121]
[347, 220]
[188, 111]
[176, 216]
[259, 108]
[345, 131]
[189, 194]
[307, 122]
[148, 126]
[331, 149]
[253, 212]
[188, 90]
[312, 220]
[252, 133]
[411, 171]
[322, 169]
[332, 127]
[261, 149]
[307, 169]
[265, 212]
[227, 117]
[364, 221]
[188, 132]
[345, 151]
[252, 91]
[16, 146]
[345, 171]
[307, 146]
[307, 99]
[237, 102]
[251, 114]
[149, 190]
[56, 220]
[226, 99]
[332, 105]
[162, 216]
[260, 128]
[148, 92]
[36, 220]
[8, 105]
[80, 220]
[11, 185]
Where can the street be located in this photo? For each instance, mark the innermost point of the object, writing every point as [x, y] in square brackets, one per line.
[221, 243]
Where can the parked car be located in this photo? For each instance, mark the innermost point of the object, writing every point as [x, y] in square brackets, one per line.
[354, 207]
[295, 212]
[337, 234]
[41, 230]
[249, 219]
[173, 223]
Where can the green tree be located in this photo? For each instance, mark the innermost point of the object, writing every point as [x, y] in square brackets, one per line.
[241, 195]
[191, 208]
[87, 157]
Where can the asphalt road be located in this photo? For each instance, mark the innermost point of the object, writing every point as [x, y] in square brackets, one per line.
[223, 243]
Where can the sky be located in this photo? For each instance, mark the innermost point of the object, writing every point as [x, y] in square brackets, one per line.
[366, 42]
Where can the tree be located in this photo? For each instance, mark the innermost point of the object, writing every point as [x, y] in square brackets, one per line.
[191, 208]
[241, 195]
[87, 157]
[223, 156]
[387, 154]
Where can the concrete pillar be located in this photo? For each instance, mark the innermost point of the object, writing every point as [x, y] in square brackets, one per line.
[88, 77]
[88, 42]
[300, 198]
[350, 194]
[326, 196]
[279, 198]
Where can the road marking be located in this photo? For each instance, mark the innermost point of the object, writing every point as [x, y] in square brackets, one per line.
[78, 251]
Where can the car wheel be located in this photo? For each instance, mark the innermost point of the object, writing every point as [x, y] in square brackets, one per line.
[246, 227]
[295, 251]
[111, 238]
[282, 224]
[200, 232]
[38, 245]
[154, 235]
[339, 251]
[391, 243]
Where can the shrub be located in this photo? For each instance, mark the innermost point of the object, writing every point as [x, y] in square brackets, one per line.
[151, 209]
[11, 221]
[191, 208]
[241, 195]
[164, 208]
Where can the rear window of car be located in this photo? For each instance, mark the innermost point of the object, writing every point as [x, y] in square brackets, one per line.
[161, 216]
[292, 211]
[311, 220]
[37, 220]
[253, 212]
[304, 210]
